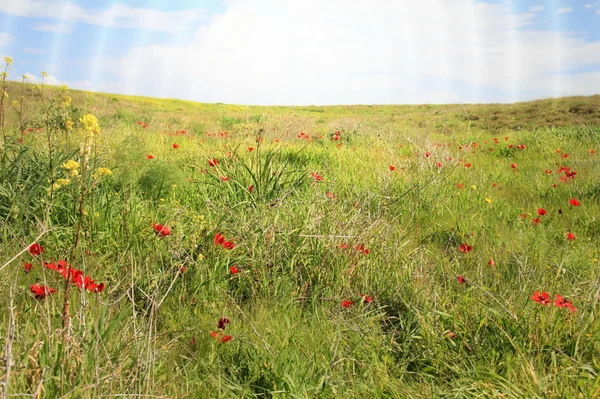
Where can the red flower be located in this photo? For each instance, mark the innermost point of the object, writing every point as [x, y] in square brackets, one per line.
[565, 155]
[574, 202]
[222, 323]
[161, 230]
[467, 165]
[233, 270]
[523, 216]
[213, 162]
[563, 303]
[571, 236]
[250, 148]
[492, 263]
[535, 221]
[27, 267]
[228, 245]
[250, 189]
[218, 336]
[438, 164]
[392, 167]
[41, 291]
[226, 338]
[460, 185]
[219, 239]
[465, 248]
[542, 211]
[149, 156]
[347, 304]
[513, 165]
[224, 178]
[316, 176]
[367, 298]
[541, 298]
[461, 279]
[36, 249]
[99, 288]
[176, 146]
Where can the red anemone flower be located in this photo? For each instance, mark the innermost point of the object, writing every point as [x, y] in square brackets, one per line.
[574, 202]
[219, 239]
[228, 245]
[41, 291]
[347, 304]
[218, 336]
[492, 263]
[461, 279]
[213, 162]
[571, 236]
[561, 302]
[513, 165]
[149, 156]
[233, 270]
[467, 165]
[542, 211]
[27, 267]
[541, 298]
[367, 298]
[250, 189]
[465, 248]
[392, 167]
[161, 230]
[176, 146]
[36, 249]
[222, 323]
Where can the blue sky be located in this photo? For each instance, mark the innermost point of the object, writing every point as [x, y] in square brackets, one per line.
[310, 51]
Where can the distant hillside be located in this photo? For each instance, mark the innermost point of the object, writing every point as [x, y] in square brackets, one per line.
[567, 111]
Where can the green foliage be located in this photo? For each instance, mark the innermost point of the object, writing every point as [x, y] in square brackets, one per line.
[323, 223]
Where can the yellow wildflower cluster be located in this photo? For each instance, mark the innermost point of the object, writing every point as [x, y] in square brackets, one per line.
[71, 166]
[102, 172]
[60, 183]
[90, 123]
[67, 101]
[8, 60]
[69, 124]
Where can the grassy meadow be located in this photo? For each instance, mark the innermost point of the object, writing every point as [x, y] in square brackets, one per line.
[297, 252]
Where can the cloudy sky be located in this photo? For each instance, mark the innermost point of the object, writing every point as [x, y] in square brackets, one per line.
[301, 52]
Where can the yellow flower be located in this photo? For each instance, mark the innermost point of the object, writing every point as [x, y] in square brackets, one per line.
[90, 123]
[8, 60]
[67, 101]
[15, 103]
[61, 183]
[101, 172]
[488, 200]
[44, 75]
[25, 77]
[474, 187]
[70, 165]
[69, 124]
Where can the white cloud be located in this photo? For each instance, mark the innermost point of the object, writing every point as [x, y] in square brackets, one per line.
[5, 39]
[564, 10]
[315, 52]
[118, 15]
[591, 5]
[536, 8]
[53, 81]
[56, 28]
[34, 51]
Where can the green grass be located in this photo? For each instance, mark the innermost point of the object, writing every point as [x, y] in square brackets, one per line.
[424, 334]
